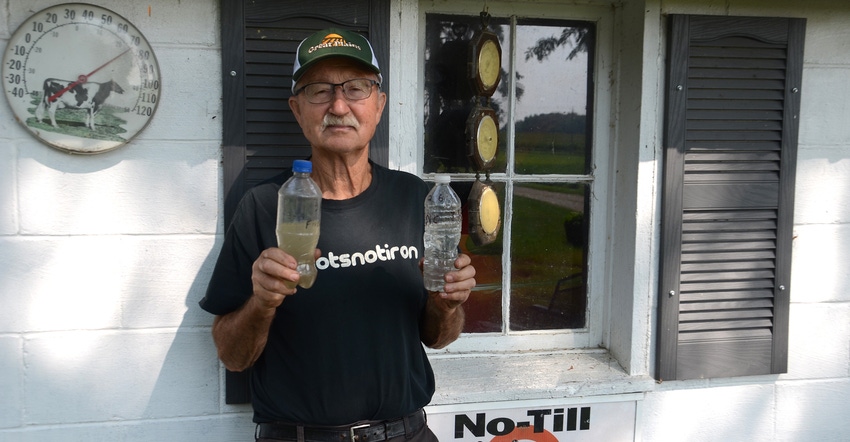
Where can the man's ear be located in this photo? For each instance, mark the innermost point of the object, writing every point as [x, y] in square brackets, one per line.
[296, 108]
[382, 101]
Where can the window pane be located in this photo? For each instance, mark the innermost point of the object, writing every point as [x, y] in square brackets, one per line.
[548, 257]
[552, 99]
[449, 97]
[484, 307]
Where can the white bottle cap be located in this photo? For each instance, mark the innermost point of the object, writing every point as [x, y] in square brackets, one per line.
[442, 178]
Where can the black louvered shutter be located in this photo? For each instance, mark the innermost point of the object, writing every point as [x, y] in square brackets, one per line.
[260, 135]
[732, 113]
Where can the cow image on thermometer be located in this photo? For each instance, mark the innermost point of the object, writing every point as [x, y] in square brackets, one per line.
[87, 96]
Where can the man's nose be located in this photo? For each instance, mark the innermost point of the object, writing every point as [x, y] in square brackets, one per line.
[338, 100]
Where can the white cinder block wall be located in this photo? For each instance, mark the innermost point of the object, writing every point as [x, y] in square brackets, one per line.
[103, 259]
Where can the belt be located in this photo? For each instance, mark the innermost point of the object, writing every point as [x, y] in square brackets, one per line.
[367, 432]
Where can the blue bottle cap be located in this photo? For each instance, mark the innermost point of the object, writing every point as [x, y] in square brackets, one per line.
[302, 166]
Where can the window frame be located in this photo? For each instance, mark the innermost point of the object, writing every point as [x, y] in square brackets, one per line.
[598, 285]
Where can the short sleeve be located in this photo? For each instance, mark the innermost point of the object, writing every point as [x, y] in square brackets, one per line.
[250, 232]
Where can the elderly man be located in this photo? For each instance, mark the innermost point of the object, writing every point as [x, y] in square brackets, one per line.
[342, 360]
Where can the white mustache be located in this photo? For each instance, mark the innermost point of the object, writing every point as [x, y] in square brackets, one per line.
[334, 120]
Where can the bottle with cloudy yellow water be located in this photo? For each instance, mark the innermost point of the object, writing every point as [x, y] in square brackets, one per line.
[299, 211]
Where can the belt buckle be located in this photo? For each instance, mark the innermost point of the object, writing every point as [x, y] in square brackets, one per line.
[355, 428]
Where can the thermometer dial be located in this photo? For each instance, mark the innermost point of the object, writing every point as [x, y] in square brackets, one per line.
[81, 78]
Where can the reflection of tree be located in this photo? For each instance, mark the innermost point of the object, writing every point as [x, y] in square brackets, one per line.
[448, 41]
[449, 93]
[578, 37]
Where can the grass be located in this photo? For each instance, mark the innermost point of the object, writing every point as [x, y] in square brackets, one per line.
[540, 256]
[550, 153]
[108, 126]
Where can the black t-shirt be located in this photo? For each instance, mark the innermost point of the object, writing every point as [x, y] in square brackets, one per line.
[348, 348]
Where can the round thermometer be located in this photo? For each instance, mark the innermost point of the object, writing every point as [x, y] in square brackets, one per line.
[482, 132]
[81, 78]
[484, 213]
[485, 62]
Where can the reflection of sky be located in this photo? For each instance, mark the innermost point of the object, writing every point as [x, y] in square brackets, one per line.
[552, 85]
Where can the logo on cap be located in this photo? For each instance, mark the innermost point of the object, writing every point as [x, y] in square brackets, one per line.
[333, 41]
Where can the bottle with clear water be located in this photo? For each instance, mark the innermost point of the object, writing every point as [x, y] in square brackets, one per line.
[299, 211]
[442, 233]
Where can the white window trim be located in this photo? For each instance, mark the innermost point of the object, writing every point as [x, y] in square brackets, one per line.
[629, 69]
[406, 116]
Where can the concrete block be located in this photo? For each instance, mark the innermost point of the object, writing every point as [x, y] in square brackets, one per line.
[709, 414]
[161, 21]
[72, 283]
[5, 32]
[814, 410]
[822, 193]
[133, 190]
[819, 340]
[92, 282]
[819, 251]
[182, 266]
[11, 382]
[824, 105]
[10, 129]
[827, 36]
[191, 95]
[99, 376]
[69, 282]
[8, 187]
[223, 428]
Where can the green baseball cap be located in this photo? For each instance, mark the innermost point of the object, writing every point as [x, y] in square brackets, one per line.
[333, 42]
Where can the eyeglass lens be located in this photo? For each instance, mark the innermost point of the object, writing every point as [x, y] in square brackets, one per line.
[356, 89]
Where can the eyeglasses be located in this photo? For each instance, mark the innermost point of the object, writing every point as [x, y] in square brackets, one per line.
[353, 90]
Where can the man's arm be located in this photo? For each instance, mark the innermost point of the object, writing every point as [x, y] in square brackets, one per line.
[444, 316]
[240, 336]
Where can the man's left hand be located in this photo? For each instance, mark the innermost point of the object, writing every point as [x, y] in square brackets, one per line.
[459, 283]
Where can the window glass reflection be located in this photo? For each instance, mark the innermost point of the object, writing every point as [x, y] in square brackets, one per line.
[551, 112]
[548, 255]
[449, 96]
[484, 307]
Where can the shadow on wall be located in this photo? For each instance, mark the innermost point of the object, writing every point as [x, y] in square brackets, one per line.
[191, 381]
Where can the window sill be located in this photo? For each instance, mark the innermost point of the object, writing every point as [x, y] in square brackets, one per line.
[526, 376]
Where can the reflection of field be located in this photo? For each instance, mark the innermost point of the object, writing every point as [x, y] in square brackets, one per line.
[541, 255]
[554, 153]
[566, 200]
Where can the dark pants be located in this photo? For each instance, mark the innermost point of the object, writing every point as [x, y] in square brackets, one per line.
[423, 435]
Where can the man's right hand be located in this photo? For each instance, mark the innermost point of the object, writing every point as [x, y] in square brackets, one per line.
[274, 277]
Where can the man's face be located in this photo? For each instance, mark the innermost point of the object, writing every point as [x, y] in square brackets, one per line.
[341, 125]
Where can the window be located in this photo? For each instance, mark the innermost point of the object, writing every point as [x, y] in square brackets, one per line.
[535, 276]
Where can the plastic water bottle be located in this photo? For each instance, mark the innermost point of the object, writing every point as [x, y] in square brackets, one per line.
[442, 233]
[299, 211]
